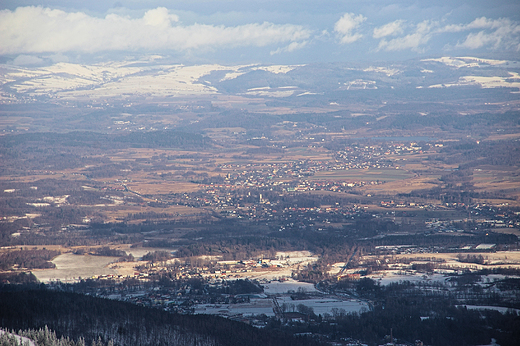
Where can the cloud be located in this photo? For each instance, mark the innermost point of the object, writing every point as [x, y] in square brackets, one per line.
[413, 41]
[290, 48]
[393, 28]
[498, 34]
[346, 26]
[43, 30]
[160, 17]
[478, 23]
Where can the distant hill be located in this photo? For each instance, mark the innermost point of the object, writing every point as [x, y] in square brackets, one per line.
[134, 81]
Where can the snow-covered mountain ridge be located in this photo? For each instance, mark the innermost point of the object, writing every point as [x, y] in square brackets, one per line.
[126, 79]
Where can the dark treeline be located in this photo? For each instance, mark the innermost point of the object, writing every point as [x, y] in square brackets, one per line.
[472, 154]
[239, 248]
[443, 239]
[29, 259]
[74, 316]
[237, 287]
[18, 278]
[328, 242]
[442, 324]
[400, 118]
[157, 256]
[102, 251]
[412, 314]
[447, 119]
[153, 139]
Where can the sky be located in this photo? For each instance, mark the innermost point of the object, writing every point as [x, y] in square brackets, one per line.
[260, 31]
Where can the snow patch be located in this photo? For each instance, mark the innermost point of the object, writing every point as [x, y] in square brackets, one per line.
[276, 287]
[22, 340]
[277, 68]
[388, 71]
[459, 62]
[485, 82]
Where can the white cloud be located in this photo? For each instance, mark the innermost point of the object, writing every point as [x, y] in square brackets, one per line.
[413, 41]
[474, 41]
[482, 32]
[39, 30]
[290, 48]
[346, 26]
[159, 17]
[478, 23]
[500, 34]
[393, 28]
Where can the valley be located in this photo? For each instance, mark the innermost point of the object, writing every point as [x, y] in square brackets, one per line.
[294, 198]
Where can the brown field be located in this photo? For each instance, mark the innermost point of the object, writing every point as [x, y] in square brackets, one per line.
[501, 180]
[31, 178]
[283, 132]
[177, 210]
[333, 193]
[496, 179]
[60, 248]
[306, 156]
[416, 167]
[401, 186]
[223, 130]
[144, 153]
[162, 187]
[501, 137]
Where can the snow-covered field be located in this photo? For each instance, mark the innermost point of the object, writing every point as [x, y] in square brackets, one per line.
[513, 81]
[282, 267]
[459, 62]
[336, 268]
[325, 305]
[70, 267]
[255, 307]
[267, 91]
[388, 71]
[139, 252]
[391, 276]
[500, 309]
[275, 287]
[294, 257]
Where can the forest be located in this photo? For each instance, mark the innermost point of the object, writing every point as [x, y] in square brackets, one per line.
[79, 316]
[402, 307]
